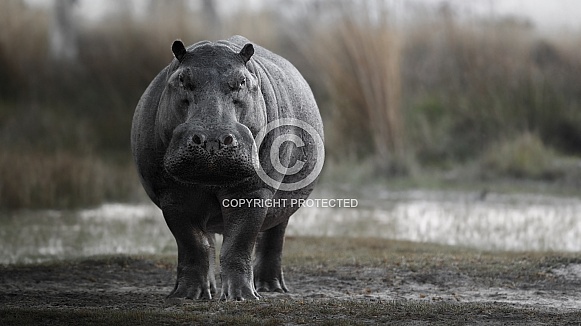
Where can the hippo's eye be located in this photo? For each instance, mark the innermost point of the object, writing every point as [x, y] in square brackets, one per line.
[185, 84]
[237, 85]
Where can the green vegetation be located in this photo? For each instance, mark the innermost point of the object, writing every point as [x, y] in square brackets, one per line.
[524, 157]
[431, 94]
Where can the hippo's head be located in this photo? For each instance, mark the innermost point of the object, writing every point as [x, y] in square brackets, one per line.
[208, 113]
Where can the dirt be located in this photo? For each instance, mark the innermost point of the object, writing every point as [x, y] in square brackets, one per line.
[539, 288]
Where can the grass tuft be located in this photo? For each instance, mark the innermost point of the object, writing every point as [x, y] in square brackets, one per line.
[524, 157]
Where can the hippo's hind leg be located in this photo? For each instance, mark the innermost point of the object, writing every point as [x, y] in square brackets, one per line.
[194, 245]
[268, 276]
[212, 259]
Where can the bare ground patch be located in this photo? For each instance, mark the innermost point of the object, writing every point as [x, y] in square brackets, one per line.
[333, 281]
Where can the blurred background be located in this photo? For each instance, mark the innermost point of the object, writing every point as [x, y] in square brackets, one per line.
[408, 90]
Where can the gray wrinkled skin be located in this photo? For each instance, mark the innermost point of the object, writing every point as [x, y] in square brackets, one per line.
[192, 138]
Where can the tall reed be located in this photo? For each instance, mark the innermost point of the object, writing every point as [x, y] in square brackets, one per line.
[359, 55]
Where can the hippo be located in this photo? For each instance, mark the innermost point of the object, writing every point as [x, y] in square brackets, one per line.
[225, 138]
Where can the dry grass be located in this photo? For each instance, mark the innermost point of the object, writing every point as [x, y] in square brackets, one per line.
[471, 84]
[436, 91]
[61, 180]
[23, 46]
[359, 58]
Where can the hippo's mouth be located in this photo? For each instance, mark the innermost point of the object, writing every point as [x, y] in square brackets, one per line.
[224, 169]
[211, 179]
[211, 182]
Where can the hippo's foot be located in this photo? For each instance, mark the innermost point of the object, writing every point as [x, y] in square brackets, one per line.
[238, 287]
[272, 285]
[268, 277]
[187, 288]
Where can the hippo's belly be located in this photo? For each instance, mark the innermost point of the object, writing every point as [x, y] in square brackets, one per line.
[279, 209]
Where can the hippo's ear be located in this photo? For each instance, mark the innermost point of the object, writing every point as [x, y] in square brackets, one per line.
[179, 50]
[247, 52]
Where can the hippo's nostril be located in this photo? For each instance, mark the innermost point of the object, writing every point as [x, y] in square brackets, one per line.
[197, 139]
[228, 140]
[211, 142]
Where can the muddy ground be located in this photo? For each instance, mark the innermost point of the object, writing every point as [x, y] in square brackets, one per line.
[333, 281]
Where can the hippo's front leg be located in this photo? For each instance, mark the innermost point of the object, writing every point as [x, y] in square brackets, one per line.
[194, 245]
[241, 228]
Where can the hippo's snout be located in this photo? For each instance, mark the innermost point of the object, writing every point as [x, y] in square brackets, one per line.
[212, 141]
[214, 154]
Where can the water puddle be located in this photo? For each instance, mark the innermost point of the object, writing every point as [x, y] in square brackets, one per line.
[494, 222]
[37, 236]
